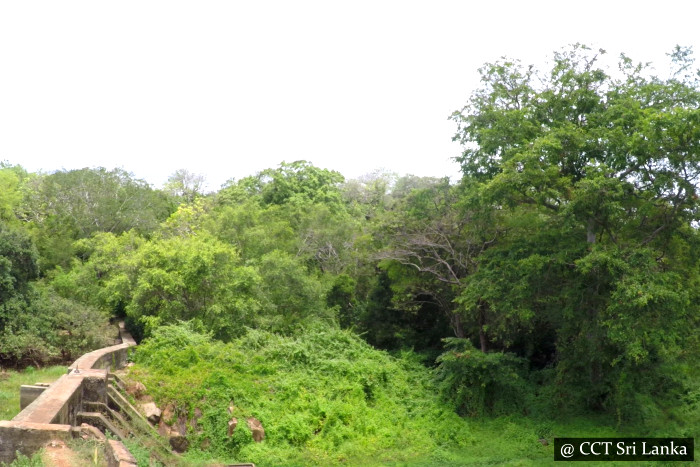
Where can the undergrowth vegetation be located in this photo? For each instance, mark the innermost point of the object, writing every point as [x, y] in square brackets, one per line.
[324, 397]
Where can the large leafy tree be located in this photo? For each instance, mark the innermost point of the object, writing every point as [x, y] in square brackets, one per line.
[432, 243]
[593, 176]
[297, 208]
[179, 277]
[68, 205]
[294, 182]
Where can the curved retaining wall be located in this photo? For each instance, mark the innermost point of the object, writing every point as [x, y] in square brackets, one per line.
[53, 414]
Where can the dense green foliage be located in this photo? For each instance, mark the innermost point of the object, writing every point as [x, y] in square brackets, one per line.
[559, 277]
[37, 325]
[324, 397]
[68, 205]
[593, 268]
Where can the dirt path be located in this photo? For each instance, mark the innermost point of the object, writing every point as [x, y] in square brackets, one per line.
[58, 454]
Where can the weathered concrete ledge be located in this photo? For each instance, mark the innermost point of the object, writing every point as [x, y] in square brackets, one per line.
[57, 408]
[107, 357]
[118, 455]
[61, 401]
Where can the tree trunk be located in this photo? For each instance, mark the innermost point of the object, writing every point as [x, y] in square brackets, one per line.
[590, 231]
[482, 340]
[457, 327]
[482, 335]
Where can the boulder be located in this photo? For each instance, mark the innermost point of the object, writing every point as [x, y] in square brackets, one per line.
[152, 412]
[168, 413]
[163, 428]
[135, 389]
[256, 428]
[179, 443]
[232, 424]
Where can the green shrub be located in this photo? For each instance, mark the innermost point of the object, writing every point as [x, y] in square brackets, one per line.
[46, 328]
[479, 383]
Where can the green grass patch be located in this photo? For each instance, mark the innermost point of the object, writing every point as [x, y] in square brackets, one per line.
[11, 381]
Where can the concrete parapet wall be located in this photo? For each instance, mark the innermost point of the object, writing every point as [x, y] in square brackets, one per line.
[61, 401]
[52, 413]
[107, 357]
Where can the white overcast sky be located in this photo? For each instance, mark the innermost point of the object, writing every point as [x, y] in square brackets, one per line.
[228, 88]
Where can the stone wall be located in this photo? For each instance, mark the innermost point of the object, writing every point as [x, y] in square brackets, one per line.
[52, 414]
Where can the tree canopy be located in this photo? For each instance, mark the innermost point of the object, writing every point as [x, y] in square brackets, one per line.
[593, 176]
